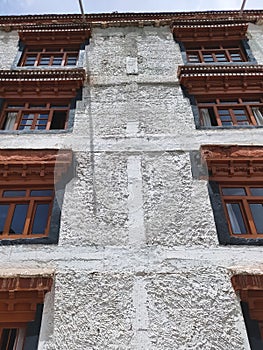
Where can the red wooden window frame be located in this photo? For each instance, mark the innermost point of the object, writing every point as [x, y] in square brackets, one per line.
[228, 111]
[29, 203]
[215, 53]
[35, 115]
[53, 56]
[242, 222]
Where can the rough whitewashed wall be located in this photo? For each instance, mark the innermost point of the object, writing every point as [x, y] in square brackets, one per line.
[138, 265]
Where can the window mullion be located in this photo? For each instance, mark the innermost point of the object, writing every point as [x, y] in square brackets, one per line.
[250, 221]
[229, 58]
[50, 116]
[219, 122]
[9, 218]
[29, 218]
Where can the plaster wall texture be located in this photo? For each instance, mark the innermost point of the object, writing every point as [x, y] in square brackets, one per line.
[138, 265]
[255, 33]
[8, 48]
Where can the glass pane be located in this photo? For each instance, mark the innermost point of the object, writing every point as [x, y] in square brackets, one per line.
[71, 61]
[257, 213]
[236, 218]
[41, 193]
[256, 191]
[14, 193]
[41, 218]
[44, 61]
[3, 215]
[223, 112]
[225, 118]
[227, 123]
[233, 191]
[30, 60]
[19, 218]
[42, 116]
[57, 61]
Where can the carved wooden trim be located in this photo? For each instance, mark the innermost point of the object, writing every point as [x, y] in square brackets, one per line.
[33, 167]
[37, 84]
[237, 162]
[19, 297]
[209, 32]
[14, 22]
[250, 291]
[56, 35]
[202, 79]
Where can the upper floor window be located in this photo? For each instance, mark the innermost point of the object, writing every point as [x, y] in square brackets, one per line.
[211, 43]
[236, 192]
[230, 111]
[243, 204]
[34, 116]
[56, 56]
[224, 96]
[58, 46]
[215, 53]
[39, 100]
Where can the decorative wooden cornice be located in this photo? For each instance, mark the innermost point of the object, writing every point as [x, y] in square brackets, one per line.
[189, 32]
[134, 19]
[237, 162]
[58, 34]
[33, 166]
[19, 297]
[50, 83]
[250, 291]
[215, 79]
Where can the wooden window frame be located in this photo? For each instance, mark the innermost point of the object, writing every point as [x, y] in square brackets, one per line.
[243, 201]
[214, 105]
[51, 53]
[210, 48]
[33, 170]
[30, 107]
[32, 202]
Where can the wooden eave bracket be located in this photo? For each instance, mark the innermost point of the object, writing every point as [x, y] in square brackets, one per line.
[237, 162]
[213, 79]
[41, 83]
[209, 32]
[22, 166]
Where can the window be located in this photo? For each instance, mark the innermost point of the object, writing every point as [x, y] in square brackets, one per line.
[244, 209]
[31, 193]
[25, 211]
[21, 306]
[236, 192]
[215, 53]
[53, 56]
[224, 96]
[230, 111]
[61, 46]
[35, 116]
